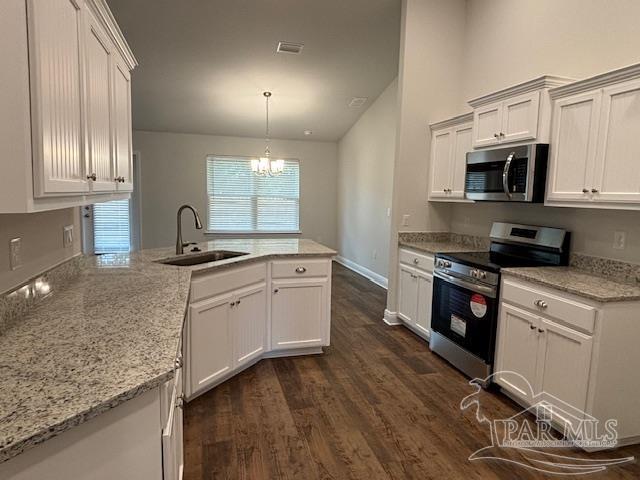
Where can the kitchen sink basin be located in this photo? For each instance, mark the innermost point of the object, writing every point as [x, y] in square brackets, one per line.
[198, 258]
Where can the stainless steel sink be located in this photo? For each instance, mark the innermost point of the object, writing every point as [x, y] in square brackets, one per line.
[198, 258]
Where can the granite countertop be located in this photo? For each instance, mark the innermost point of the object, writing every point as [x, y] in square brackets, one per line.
[109, 335]
[578, 282]
[434, 247]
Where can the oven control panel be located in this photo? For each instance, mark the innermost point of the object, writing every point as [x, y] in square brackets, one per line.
[462, 270]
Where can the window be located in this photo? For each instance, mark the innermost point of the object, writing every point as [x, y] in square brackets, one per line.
[111, 227]
[243, 202]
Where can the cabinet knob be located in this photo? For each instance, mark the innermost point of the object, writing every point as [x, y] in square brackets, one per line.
[301, 270]
[416, 261]
[444, 190]
[541, 330]
[497, 135]
[179, 362]
[594, 190]
[532, 327]
[276, 290]
[93, 177]
[238, 302]
[585, 190]
[233, 304]
[502, 134]
[180, 401]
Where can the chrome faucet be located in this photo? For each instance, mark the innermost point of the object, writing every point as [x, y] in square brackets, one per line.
[179, 243]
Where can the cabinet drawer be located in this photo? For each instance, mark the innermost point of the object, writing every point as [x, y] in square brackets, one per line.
[418, 260]
[210, 285]
[569, 312]
[300, 268]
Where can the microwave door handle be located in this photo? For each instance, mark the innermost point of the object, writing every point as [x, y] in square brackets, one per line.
[505, 175]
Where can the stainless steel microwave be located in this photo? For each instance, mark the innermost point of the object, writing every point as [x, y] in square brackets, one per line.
[507, 174]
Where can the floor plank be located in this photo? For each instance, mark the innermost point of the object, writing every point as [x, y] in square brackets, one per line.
[377, 405]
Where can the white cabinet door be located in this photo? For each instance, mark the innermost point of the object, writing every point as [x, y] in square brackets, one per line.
[249, 319]
[520, 117]
[55, 31]
[407, 294]
[172, 434]
[517, 352]
[98, 51]
[298, 313]
[618, 157]
[573, 147]
[462, 143]
[210, 342]
[564, 363]
[425, 291]
[441, 145]
[487, 124]
[122, 125]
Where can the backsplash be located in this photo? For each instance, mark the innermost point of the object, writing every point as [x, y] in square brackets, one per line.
[470, 241]
[15, 304]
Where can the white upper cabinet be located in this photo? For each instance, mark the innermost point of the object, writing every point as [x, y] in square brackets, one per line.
[65, 113]
[595, 143]
[450, 142]
[98, 54]
[122, 128]
[55, 41]
[515, 114]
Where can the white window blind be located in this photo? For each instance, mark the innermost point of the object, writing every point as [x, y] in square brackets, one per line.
[241, 201]
[111, 227]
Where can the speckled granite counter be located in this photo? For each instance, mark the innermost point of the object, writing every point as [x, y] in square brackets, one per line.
[442, 242]
[109, 335]
[578, 282]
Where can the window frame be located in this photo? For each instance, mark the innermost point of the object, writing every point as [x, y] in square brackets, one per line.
[249, 233]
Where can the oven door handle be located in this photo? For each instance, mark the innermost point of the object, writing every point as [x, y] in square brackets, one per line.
[474, 287]
[505, 174]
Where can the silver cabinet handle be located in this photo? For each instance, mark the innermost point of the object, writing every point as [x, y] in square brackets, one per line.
[540, 303]
[180, 401]
[301, 270]
[93, 177]
[416, 261]
[505, 174]
[585, 190]
[594, 190]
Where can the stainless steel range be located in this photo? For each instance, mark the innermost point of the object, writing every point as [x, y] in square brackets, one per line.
[466, 291]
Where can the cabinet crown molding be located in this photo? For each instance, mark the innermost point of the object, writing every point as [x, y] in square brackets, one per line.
[104, 15]
[601, 80]
[538, 83]
[453, 121]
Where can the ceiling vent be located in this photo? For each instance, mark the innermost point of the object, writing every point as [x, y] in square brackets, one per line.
[357, 102]
[288, 47]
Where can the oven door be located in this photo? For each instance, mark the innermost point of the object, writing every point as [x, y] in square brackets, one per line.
[466, 313]
[504, 174]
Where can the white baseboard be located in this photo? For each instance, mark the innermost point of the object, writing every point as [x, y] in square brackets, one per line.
[391, 318]
[365, 272]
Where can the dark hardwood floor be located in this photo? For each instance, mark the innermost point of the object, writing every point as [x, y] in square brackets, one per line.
[377, 405]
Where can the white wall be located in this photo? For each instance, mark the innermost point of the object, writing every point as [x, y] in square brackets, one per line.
[173, 173]
[41, 243]
[509, 41]
[365, 182]
[429, 84]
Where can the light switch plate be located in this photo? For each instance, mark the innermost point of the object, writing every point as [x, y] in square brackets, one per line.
[619, 240]
[15, 258]
[405, 220]
[67, 236]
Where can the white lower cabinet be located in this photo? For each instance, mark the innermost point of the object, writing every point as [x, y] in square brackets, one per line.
[171, 401]
[233, 321]
[415, 289]
[298, 313]
[562, 353]
[210, 354]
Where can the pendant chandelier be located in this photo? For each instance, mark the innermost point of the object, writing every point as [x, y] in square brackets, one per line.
[266, 166]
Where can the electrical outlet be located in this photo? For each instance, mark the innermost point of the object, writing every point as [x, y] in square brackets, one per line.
[15, 258]
[619, 240]
[67, 236]
[405, 220]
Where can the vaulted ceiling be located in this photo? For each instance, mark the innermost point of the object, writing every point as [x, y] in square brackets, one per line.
[205, 63]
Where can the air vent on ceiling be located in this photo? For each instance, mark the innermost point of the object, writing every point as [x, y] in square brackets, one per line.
[357, 102]
[288, 47]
